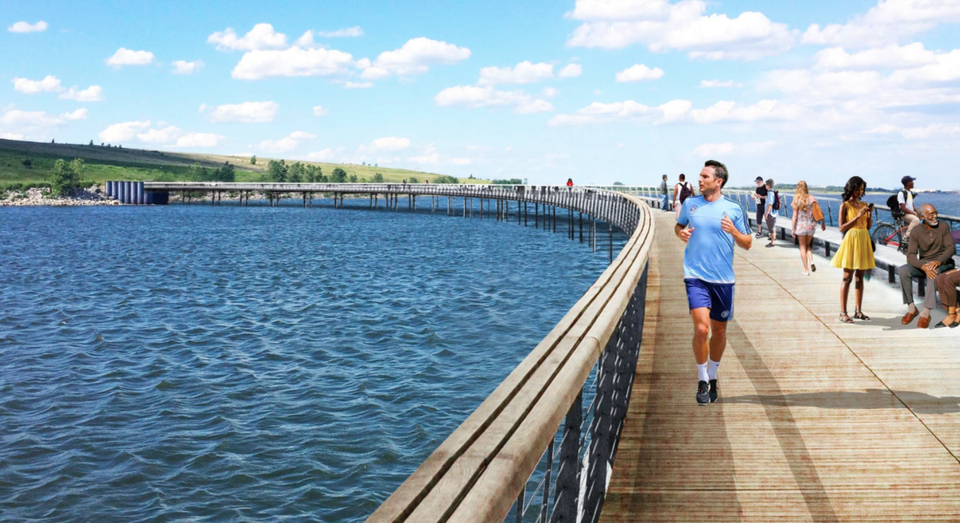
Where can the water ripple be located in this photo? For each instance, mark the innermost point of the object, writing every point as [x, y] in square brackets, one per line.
[224, 364]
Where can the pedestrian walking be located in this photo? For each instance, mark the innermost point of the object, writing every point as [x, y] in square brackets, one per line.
[569, 182]
[681, 191]
[855, 255]
[806, 214]
[710, 225]
[760, 199]
[664, 197]
[772, 212]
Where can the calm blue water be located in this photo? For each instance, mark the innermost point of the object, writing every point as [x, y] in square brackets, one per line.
[270, 364]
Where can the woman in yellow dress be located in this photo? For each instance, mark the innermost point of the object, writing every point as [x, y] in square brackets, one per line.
[855, 255]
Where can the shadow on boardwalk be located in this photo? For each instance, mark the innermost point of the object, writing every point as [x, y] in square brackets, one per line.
[870, 399]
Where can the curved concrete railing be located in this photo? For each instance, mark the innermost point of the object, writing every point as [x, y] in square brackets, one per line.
[481, 470]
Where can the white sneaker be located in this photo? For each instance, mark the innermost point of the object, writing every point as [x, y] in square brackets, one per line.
[805, 273]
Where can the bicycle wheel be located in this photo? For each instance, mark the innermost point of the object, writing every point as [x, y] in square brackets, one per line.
[885, 234]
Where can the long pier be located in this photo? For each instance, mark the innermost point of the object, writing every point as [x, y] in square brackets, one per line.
[817, 421]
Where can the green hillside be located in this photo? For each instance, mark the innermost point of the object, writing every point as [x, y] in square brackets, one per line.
[26, 164]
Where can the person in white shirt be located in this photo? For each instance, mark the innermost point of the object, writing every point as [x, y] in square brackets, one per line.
[911, 218]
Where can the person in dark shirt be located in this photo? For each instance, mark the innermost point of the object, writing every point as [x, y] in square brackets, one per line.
[761, 199]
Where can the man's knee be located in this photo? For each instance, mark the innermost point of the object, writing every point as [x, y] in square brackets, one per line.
[701, 330]
[719, 329]
[905, 272]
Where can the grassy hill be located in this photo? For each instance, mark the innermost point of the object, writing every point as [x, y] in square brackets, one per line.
[113, 163]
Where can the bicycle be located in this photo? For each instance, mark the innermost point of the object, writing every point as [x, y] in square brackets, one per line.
[892, 234]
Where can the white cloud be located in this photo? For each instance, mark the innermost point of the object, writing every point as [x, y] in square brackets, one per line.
[931, 131]
[200, 140]
[25, 27]
[165, 135]
[946, 68]
[349, 32]
[387, 143]
[11, 136]
[893, 57]
[662, 26]
[462, 161]
[713, 150]
[295, 61]
[571, 70]
[15, 121]
[719, 83]
[889, 22]
[288, 143]
[247, 112]
[676, 111]
[550, 92]
[184, 67]
[48, 84]
[79, 114]
[473, 96]
[123, 132]
[639, 73]
[357, 85]
[523, 73]
[319, 156]
[415, 57]
[261, 37]
[731, 112]
[426, 158]
[319, 110]
[125, 56]
[94, 93]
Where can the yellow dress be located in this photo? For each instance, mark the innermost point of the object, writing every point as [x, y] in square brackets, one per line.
[855, 252]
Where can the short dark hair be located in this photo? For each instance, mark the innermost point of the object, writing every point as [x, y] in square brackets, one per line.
[664, 176]
[719, 170]
[682, 177]
[770, 182]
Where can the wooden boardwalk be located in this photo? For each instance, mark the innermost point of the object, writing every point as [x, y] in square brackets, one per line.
[818, 420]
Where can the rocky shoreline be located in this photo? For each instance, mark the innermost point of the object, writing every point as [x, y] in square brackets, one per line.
[33, 197]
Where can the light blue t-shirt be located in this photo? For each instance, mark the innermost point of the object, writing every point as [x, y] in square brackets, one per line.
[771, 198]
[709, 253]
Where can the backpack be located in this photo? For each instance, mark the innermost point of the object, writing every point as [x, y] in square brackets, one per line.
[686, 191]
[776, 200]
[894, 204]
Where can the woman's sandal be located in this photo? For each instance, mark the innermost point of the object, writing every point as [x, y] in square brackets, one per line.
[859, 315]
[952, 325]
[845, 318]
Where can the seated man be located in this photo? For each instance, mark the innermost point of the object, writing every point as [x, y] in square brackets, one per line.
[947, 284]
[929, 253]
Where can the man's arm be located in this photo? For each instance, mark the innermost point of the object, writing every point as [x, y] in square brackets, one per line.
[745, 241]
[683, 232]
[913, 249]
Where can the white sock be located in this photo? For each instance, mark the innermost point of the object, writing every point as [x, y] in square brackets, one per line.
[702, 371]
[712, 371]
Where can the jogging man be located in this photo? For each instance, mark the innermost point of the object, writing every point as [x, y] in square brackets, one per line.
[710, 224]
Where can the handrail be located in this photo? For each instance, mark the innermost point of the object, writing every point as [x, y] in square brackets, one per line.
[747, 196]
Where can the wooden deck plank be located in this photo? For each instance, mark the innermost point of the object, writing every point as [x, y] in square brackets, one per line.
[818, 421]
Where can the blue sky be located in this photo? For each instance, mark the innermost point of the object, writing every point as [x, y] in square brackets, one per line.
[596, 90]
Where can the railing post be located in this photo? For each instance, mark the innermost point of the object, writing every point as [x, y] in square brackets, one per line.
[568, 473]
